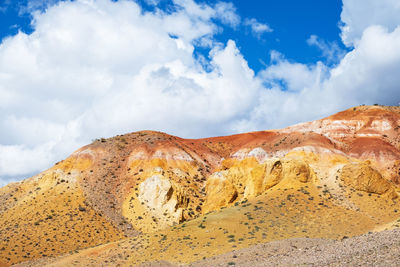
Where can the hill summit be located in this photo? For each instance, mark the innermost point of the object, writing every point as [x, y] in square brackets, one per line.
[152, 197]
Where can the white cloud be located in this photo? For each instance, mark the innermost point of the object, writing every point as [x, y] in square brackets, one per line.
[5, 5]
[24, 160]
[357, 16]
[370, 73]
[97, 68]
[227, 13]
[295, 76]
[223, 11]
[256, 27]
[29, 6]
[331, 51]
[152, 2]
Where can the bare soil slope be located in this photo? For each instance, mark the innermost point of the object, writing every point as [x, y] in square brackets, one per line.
[149, 196]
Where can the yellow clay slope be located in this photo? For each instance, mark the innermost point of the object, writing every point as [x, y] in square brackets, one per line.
[291, 209]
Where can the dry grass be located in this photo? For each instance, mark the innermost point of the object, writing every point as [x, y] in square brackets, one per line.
[290, 211]
[49, 220]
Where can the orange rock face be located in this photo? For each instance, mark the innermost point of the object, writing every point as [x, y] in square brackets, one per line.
[361, 176]
[148, 181]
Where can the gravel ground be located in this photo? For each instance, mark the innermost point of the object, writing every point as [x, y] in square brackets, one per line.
[373, 249]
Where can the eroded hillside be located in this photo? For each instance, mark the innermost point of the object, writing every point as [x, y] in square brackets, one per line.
[155, 194]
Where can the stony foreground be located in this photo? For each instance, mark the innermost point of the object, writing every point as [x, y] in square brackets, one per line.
[372, 249]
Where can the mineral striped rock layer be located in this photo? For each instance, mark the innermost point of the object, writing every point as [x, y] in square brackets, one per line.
[329, 178]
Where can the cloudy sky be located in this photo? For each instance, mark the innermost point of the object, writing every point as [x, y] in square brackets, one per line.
[73, 71]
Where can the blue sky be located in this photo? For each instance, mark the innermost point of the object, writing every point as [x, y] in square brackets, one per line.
[73, 71]
[293, 22]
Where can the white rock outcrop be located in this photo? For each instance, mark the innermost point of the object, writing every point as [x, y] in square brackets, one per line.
[165, 200]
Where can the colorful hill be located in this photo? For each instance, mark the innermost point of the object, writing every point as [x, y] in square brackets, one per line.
[151, 197]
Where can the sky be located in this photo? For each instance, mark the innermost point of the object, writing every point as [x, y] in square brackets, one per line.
[74, 71]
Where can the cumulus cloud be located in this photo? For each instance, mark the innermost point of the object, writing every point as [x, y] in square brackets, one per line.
[356, 17]
[257, 28]
[370, 72]
[366, 75]
[291, 76]
[100, 68]
[97, 68]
